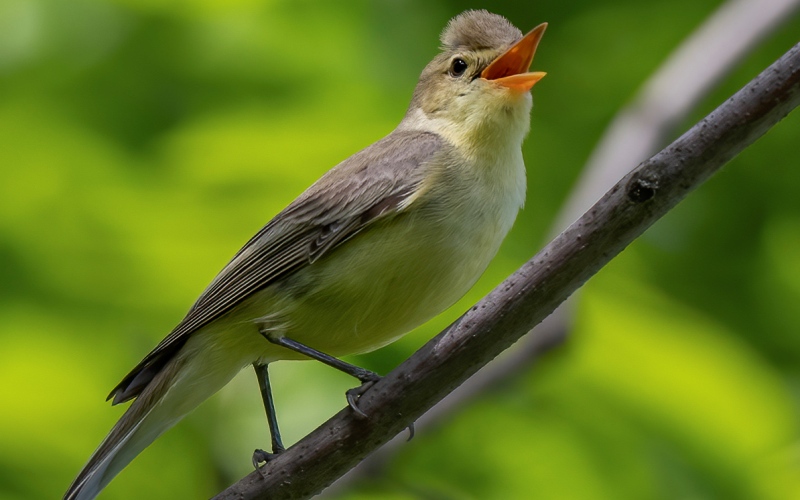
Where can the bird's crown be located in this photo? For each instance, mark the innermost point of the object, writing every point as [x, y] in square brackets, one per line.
[478, 29]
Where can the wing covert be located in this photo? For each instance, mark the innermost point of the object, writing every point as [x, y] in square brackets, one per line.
[370, 185]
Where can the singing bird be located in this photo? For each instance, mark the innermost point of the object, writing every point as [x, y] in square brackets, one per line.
[381, 243]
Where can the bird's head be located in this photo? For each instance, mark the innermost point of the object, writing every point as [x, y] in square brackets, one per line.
[478, 86]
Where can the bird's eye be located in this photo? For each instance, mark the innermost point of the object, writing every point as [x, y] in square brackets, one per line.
[458, 67]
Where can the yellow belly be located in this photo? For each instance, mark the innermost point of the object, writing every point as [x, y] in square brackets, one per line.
[383, 282]
[378, 286]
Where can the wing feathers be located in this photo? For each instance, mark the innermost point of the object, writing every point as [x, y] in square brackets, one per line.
[368, 186]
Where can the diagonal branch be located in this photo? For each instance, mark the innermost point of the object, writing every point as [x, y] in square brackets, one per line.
[693, 69]
[531, 293]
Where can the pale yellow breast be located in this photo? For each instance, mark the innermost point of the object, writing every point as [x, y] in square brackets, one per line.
[402, 272]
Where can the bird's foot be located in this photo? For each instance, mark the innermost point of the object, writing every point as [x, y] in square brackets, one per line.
[260, 456]
[367, 379]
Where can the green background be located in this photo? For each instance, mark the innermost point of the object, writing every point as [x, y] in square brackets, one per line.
[143, 141]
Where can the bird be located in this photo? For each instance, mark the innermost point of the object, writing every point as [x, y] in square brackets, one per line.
[381, 243]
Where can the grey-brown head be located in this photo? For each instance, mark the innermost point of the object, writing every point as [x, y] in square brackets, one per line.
[481, 71]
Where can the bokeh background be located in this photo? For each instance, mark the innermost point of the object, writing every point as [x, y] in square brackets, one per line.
[142, 142]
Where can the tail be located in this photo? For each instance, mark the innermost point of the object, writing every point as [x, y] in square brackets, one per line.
[182, 384]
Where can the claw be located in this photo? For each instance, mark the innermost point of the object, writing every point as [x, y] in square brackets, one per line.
[410, 432]
[355, 393]
[260, 456]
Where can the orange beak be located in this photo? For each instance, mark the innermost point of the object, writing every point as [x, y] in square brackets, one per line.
[510, 69]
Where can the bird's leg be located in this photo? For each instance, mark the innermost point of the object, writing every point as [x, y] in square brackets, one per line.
[367, 378]
[259, 455]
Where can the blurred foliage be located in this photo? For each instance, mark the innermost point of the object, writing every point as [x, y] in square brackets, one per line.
[143, 141]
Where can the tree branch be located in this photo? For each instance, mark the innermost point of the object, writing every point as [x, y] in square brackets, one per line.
[637, 131]
[531, 293]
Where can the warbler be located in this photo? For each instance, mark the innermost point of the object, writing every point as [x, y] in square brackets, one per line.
[381, 243]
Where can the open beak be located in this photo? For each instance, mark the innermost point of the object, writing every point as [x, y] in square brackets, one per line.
[510, 69]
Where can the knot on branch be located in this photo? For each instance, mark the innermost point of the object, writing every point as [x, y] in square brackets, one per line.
[641, 190]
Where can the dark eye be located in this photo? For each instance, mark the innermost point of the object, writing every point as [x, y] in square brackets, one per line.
[458, 67]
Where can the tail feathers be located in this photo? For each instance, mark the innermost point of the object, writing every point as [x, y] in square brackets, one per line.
[109, 459]
[182, 384]
[146, 419]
